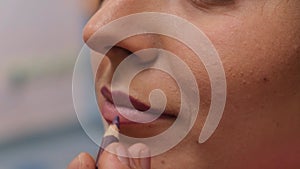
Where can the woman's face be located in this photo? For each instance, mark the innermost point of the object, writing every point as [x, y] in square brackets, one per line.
[259, 45]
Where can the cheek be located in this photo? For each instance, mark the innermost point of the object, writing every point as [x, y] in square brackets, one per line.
[257, 63]
[262, 73]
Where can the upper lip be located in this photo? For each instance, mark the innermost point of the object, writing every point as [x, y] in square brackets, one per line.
[138, 105]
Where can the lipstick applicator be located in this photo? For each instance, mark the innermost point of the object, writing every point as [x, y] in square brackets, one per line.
[111, 135]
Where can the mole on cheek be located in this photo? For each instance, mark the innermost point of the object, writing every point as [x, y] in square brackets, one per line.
[266, 79]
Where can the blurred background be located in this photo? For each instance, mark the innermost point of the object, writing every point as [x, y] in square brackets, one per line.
[40, 41]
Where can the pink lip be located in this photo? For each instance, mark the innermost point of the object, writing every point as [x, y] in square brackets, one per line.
[109, 110]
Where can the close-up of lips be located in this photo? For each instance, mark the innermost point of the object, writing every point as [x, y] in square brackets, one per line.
[160, 121]
[109, 111]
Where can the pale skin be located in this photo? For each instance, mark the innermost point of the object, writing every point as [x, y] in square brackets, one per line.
[259, 45]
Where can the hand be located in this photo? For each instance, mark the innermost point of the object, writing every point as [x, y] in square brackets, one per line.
[118, 160]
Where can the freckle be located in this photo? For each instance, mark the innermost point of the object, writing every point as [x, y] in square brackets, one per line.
[266, 79]
[162, 162]
[150, 126]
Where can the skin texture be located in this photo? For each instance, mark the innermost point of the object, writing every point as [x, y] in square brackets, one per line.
[259, 44]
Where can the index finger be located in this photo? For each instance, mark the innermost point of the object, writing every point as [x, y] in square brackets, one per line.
[82, 161]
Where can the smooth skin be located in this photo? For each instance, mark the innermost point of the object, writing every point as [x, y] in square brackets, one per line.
[259, 45]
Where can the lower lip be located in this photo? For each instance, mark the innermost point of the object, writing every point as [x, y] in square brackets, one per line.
[109, 112]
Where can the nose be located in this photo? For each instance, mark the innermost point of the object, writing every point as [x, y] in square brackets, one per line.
[115, 9]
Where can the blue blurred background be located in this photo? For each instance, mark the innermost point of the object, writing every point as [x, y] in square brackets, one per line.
[40, 41]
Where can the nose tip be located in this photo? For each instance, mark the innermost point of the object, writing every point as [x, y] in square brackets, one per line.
[100, 41]
[88, 31]
[114, 10]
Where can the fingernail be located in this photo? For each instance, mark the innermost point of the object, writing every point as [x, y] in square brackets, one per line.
[122, 155]
[145, 158]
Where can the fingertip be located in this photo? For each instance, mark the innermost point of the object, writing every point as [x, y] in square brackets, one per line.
[141, 154]
[139, 150]
[115, 156]
[82, 161]
[122, 154]
[75, 163]
[86, 161]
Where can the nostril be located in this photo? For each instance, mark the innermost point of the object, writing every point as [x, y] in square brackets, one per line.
[116, 54]
[119, 51]
[104, 43]
[119, 48]
[138, 58]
